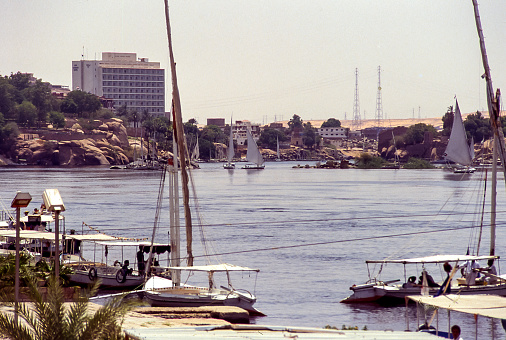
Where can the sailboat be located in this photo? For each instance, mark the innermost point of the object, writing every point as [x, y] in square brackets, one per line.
[393, 290]
[230, 151]
[253, 155]
[160, 291]
[278, 159]
[457, 149]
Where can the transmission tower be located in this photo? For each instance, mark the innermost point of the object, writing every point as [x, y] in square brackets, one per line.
[356, 124]
[379, 105]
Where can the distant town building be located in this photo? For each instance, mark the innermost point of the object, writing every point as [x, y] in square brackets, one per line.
[220, 122]
[239, 130]
[333, 132]
[121, 77]
[296, 137]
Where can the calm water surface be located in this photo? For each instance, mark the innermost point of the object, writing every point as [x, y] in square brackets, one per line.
[309, 231]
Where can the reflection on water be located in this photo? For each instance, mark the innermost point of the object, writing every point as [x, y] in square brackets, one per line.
[308, 230]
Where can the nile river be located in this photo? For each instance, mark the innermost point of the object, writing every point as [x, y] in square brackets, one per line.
[309, 231]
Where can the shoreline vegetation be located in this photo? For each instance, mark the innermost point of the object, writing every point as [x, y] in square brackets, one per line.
[75, 128]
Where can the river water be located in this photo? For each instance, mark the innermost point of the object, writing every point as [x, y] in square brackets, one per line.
[309, 231]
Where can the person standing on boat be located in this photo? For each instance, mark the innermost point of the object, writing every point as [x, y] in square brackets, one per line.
[141, 265]
[446, 287]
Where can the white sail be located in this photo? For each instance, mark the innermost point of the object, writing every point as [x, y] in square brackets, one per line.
[196, 151]
[457, 149]
[230, 151]
[277, 146]
[253, 155]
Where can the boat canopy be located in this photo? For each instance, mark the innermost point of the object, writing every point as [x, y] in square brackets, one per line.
[223, 267]
[92, 237]
[437, 259]
[28, 234]
[43, 218]
[491, 306]
[129, 243]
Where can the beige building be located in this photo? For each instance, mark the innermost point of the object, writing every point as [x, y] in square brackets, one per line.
[121, 77]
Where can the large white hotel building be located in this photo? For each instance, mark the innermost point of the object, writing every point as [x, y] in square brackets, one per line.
[120, 77]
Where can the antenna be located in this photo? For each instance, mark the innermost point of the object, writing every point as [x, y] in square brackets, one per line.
[356, 123]
[379, 105]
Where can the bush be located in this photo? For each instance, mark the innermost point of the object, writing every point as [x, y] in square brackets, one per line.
[417, 163]
[368, 161]
[57, 119]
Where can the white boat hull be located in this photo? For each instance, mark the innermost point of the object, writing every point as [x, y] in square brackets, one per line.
[109, 276]
[160, 293]
[397, 294]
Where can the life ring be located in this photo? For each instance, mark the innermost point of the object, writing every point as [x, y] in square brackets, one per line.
[121, 276]
[92, 274]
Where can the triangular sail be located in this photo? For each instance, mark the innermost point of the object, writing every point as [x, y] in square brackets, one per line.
[230, 151]
[277, 146]
[253, 155]
[457, 149]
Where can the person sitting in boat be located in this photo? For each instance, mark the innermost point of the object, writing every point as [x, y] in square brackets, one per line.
[490, 279]
[411, 283]
[126, 270]
[470, 270]
[430, 279]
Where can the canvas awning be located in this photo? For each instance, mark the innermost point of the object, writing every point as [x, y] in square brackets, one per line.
[92, 237]
[436, 259]
[223, 267]
[492, 306]
[28, 234]
[130, 243]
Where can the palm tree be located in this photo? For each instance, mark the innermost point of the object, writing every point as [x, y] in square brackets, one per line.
[51, 319]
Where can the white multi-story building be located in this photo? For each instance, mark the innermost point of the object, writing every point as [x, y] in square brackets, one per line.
[239, 130]
[333, 132]
[120, 77]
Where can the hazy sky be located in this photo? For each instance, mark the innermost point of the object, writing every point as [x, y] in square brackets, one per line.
[258, 60]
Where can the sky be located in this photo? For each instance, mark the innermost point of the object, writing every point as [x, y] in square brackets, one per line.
[267, 60]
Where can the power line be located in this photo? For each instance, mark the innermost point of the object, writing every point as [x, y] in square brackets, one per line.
[341, 241]
[318, 220]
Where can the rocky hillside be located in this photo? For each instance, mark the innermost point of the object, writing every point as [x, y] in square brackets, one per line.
[106, 145]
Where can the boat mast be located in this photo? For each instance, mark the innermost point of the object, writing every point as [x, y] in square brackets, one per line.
[178, 124]
[494, 111]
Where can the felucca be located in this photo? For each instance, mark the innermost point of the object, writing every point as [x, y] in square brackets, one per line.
[165, 292]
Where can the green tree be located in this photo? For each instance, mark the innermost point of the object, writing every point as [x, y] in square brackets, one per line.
[68, 105]
[213, 134]
[20, 80]
[50, 319]
[477, 127]
[309, 137]
[57, 119]
[447, 121]
[332, 122]
[415, 133]
[206, 149]
[26, 113]
[269, 137]
[87, 103]
[39, 94]
[7, 98]
[8, 134]
[295, 123]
